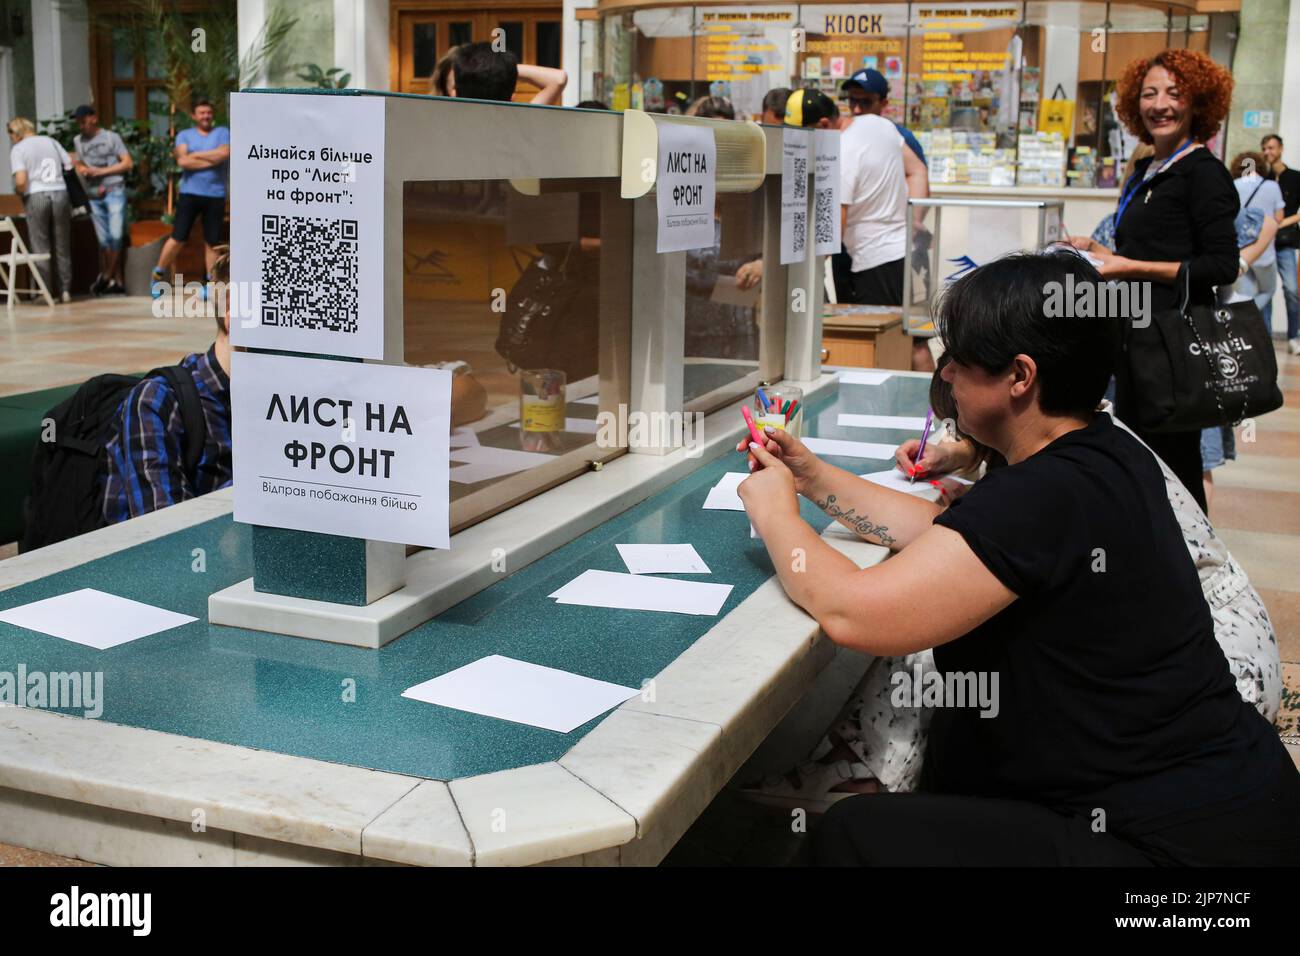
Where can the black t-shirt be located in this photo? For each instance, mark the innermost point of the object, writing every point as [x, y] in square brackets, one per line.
[1289, 182]
[1112, 691]
[1184, 214]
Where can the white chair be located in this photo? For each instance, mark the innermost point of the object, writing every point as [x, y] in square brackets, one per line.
[19, 256]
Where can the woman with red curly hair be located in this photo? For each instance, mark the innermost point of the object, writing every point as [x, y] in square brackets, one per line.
[1176, 212]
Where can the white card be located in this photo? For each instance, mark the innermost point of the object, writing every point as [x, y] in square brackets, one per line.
[662, 559]
[722, 496]
[638, 592]
[849, 449]
[94, 618]
[905, 422]
[523, 693]
[863, 378]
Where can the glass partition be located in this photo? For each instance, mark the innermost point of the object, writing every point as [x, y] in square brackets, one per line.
[723, 306]
[510, 282]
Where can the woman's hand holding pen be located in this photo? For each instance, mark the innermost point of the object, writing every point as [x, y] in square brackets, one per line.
[770, 490]
[780, 445]
[941, 458]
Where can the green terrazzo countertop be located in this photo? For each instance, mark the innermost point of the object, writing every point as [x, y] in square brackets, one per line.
[290, 695]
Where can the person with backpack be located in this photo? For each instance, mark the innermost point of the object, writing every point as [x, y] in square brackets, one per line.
[125, 445]
[147, 462]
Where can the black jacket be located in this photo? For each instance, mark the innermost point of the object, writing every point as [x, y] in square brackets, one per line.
[1187, 217]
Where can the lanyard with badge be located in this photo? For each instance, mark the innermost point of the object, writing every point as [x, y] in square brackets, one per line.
[1133, 188]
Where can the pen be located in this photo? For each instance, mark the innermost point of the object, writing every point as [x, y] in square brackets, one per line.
[767, 403]
[920, 452]
[789, 412]
[753, 429]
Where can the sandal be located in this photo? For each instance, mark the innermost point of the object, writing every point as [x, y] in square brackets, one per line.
[814, 787]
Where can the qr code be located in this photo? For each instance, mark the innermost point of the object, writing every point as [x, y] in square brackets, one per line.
[799, 230]
[823, 226]
[801, 178]
[309, 273]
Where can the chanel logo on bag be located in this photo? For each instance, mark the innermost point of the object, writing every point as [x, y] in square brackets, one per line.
[1228, 367]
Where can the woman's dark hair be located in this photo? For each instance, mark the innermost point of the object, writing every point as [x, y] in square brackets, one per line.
[484, 74]
[1025, 304]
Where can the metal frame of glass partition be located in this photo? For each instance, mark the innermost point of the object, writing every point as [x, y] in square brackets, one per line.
[917, 316]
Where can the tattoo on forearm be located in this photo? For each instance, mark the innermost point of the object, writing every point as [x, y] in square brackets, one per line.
[859, 523]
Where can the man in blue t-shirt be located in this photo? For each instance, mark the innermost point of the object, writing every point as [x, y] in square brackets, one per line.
[203, 153]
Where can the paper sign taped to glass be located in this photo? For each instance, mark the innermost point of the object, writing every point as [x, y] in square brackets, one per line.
[307, 223]
[342, 448]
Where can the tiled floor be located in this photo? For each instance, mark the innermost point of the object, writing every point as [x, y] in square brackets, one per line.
[43, 346]
[1256, 509]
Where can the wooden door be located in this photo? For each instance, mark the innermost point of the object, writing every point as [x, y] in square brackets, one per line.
[532, 33]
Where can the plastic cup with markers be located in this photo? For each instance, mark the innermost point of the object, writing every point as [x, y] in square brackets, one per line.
[541, 409]
[780, 406]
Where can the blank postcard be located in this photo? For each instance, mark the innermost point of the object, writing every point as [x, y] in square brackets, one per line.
[94, 618]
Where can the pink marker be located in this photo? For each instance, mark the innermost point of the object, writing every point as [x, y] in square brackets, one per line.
[753, 429]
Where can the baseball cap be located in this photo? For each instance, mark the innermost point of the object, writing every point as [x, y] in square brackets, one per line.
[873, 81]
[807, 106]
[83, 110]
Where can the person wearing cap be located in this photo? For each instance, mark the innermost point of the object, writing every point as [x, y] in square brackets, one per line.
[867, 92]
[101, 159]
[811, 109]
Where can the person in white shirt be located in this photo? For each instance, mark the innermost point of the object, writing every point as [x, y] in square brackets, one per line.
[873, 191]
[38, 164]
[867, 93]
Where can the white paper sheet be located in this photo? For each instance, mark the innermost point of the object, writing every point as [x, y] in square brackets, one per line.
[638, 592]
[523, 693]
[331, 446]
[685, 188]
[94, 618]
[826, 186]
[722, 496]
[483, 462]
[321, 303]
[863, 378]
[662, 559]
[849, 449]
[795, 149]
[464, 437]
[906, 422]
[897, 481]
[589, 400]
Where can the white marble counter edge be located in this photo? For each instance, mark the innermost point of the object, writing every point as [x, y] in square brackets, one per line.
[263, 814]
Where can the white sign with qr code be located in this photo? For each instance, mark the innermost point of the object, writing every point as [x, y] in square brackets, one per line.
[307, 223]
[826, 192]
[795, 145]
[342, 447]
